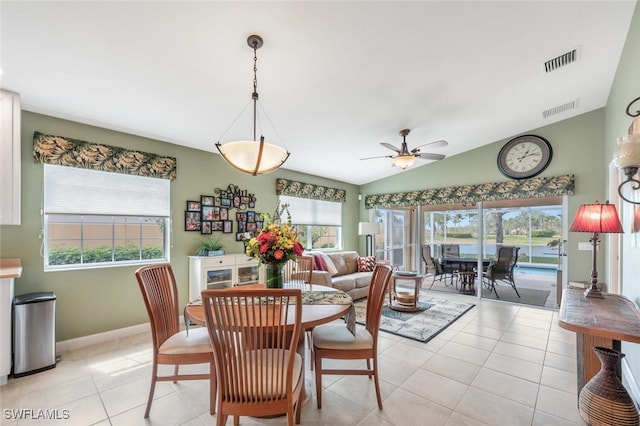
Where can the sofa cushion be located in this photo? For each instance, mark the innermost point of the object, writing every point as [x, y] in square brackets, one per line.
[322, 262]
[366, 264]
[351, 259]
[339, 263]
[361, 279]
[343, 282]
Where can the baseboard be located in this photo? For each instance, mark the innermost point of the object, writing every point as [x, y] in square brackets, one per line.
[92, 339]
[630, 382]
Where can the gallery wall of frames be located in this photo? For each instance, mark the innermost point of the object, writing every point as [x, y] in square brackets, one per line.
[216, 213]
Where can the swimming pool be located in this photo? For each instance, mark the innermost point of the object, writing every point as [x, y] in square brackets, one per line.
[548, 271]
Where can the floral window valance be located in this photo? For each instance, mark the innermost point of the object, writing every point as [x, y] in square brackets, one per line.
[308, 190]
[513, 189]
[64, 151]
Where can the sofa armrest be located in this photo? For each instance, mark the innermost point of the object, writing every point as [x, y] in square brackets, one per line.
[321, 278]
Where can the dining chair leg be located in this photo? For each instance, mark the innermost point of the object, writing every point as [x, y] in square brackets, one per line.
[213, 388]
[221, 420]
[318, 365]
[175, 374]
[377, 382]
[152, 388]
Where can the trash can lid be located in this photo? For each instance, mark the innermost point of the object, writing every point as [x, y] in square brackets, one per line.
[42, 296]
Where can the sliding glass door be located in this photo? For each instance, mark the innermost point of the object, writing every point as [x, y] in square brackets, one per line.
[396, 242]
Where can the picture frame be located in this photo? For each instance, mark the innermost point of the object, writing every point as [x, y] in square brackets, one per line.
[241, 216]
[242, 226]
[224, 213]
[206, 227]
[193, 206]
[207, 212]
[251, 216]
[216, 225]
[259, 226]
[225, 202]
[192, 221]
[206, 200]
[215, 213]
[227, 226]
[240, 236]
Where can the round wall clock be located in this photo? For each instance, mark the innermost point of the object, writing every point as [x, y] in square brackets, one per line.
[524, 157]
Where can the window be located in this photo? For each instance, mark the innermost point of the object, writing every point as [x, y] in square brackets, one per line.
[319, 223]
[97, 219]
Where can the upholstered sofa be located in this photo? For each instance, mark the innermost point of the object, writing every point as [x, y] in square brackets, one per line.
[341, 270]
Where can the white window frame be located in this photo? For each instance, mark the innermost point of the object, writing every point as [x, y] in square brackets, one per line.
[310, 213]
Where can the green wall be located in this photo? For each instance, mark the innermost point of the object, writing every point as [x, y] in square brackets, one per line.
[98, 300]
[578, 148]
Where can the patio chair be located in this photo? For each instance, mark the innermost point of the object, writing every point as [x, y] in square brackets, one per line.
[501, 269]
[434, 267]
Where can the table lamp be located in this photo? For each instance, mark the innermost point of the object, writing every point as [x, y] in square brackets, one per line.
[596, 218]
[369, 229]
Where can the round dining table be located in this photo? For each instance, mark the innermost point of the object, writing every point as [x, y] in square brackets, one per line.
[315, 311]
[313, 314]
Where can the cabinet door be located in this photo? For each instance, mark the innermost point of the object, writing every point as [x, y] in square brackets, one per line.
[9, 158]
[247, 274]
[218, 278]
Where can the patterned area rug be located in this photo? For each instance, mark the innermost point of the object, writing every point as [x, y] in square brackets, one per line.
[436, 314]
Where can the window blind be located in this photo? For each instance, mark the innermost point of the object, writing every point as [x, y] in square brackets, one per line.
[70, 190]
[305, 211]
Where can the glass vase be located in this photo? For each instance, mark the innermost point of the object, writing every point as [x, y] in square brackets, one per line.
[274, 275]
[604, 399]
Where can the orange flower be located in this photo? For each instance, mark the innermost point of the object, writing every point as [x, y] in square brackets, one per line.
[278, 254]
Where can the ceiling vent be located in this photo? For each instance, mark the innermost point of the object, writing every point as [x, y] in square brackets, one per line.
[562, 60]
[560, 109]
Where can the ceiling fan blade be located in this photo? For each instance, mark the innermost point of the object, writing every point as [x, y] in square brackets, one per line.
[436, 144]
[391, 147]
[380, 156]
[430, 156]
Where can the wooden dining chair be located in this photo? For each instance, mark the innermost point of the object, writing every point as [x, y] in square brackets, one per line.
[255, 334]
[170, 345]
[501, 269]
[299, 273]
[334, 341]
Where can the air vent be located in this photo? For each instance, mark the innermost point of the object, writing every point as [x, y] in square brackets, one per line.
[560, 109]
[562, 60]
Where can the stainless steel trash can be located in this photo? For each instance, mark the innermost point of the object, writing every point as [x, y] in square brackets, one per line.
[34, 333]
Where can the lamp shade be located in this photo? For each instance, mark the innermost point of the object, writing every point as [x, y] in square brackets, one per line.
[254, 157]
[404, 161]
[627, 153]
[368, 228]
[600, 218]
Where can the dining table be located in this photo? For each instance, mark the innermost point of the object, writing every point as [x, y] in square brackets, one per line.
[320, 305]
[465, 268]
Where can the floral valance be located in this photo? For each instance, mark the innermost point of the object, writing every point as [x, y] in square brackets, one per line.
[308, 190]
[64, 151]
[513, 189]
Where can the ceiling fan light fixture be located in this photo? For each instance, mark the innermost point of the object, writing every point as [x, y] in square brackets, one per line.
[253, 157]
[404, 161]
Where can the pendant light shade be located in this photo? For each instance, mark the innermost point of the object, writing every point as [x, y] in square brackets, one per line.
[404, 161]
[255, 157]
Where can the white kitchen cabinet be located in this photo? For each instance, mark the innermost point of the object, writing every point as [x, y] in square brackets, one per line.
[9, 158]
[221, 272]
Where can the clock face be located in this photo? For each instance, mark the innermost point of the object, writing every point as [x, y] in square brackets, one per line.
[524, 157]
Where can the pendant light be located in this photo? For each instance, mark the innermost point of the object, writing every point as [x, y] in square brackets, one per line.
[255, 157]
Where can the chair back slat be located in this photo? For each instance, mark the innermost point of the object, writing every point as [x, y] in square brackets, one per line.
[299, 273]
[377, 292]
[159, 291]
[254, 335]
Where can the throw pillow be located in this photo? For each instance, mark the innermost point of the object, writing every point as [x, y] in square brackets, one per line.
[322, 262]
[366, 264]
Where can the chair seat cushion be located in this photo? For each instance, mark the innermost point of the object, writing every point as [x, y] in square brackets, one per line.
[335, 336]
[262, 360]
[196, 342]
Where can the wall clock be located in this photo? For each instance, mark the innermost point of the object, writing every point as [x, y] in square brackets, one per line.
[524, 157]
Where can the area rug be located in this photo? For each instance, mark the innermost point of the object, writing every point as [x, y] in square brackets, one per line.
[528, 296]
[436, 314]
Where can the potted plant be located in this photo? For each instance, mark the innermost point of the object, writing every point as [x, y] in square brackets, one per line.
[211, 247]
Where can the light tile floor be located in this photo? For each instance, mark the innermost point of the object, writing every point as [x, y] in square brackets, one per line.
[500, 364]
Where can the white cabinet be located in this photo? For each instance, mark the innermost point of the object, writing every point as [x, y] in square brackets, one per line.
[9, 158]
[220, 272]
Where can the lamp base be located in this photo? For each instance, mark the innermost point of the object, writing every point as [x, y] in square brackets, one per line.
[594, 293]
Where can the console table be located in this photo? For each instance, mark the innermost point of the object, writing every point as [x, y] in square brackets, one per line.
[597, 322]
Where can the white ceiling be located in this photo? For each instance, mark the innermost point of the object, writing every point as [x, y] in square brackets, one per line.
[335, 78]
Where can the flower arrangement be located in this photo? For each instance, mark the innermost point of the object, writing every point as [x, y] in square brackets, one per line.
[277, 242]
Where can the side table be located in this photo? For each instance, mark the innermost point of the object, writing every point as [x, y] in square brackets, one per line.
[403, 300]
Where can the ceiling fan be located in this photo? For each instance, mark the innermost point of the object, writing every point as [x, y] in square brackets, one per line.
[405, 158]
